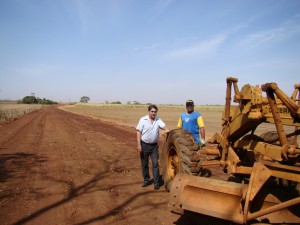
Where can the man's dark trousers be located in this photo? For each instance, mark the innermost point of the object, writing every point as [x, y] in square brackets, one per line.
[152, 151]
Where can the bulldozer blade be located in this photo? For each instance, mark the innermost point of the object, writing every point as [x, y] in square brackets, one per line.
[225, 200]
[207, 196]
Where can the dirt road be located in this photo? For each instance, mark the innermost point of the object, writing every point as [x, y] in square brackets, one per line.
[60, 168]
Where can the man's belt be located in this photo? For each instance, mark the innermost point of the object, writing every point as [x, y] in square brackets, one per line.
[152, 144]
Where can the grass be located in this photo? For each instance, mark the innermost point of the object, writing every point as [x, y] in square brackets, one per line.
[10, 111]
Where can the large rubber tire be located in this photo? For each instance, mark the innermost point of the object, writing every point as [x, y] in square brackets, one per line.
[179, 154]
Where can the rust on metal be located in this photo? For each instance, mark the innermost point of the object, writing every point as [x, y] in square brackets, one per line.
[261, 172]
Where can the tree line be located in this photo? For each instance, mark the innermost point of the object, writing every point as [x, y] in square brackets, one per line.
[86, 99]
[36, 100]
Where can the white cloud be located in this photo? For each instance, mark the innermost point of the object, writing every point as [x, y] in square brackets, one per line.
[286, 30]
[256, 39]
[203, 49]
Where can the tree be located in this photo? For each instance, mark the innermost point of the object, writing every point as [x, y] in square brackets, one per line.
[29, 100]
[36, 100]
[84, 99]
[45, 101]
[136, 103]
[117, 102]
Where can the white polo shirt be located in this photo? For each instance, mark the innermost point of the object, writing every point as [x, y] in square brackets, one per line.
[150, 132]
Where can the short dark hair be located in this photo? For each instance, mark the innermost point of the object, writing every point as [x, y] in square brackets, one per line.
[151, 107]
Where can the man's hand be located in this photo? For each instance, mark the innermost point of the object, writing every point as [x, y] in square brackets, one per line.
[139, 147]
[138, 140]
[202, 140]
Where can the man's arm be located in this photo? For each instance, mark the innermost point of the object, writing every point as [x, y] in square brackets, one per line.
[202, 133]
[201, 129]
[138, 140]
[166, 129]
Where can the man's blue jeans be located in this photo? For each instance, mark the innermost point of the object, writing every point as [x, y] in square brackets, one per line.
[152, 151]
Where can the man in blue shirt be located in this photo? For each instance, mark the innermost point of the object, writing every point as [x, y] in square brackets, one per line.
[192, 121]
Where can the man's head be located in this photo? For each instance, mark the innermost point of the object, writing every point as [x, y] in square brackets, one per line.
[152, 109]
[189, 106]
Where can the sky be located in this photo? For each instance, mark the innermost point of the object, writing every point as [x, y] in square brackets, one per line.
[149, 51]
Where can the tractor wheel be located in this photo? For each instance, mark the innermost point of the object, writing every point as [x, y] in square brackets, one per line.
[179, 154]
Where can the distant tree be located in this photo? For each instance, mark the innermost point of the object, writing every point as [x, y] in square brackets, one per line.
[136, 103]
[29, 100]
[128, 102]
[117, 102]
[45, 101]
[84, 99]
[33, 100]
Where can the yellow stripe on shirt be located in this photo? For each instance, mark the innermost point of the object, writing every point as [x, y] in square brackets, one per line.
[200, 121]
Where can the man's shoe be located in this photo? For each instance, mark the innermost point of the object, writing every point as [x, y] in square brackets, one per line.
[146, 183]
[156, 186]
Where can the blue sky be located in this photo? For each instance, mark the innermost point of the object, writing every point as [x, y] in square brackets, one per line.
[159, 51]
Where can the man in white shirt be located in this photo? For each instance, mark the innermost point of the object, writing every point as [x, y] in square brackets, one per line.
[147, 144]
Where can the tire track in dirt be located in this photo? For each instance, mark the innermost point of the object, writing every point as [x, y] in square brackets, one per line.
[25, 128]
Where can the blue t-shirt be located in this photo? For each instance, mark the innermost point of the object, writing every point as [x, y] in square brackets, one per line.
[190, 123]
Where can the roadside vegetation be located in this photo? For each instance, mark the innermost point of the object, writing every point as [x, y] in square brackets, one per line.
[14, 110]
[36, 100]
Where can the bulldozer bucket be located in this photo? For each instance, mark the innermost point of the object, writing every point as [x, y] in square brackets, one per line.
[226, 200]
[206, 196]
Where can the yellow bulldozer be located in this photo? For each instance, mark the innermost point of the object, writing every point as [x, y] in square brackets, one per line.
[240, 176]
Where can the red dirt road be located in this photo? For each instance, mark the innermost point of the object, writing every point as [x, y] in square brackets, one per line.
[60, 168]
